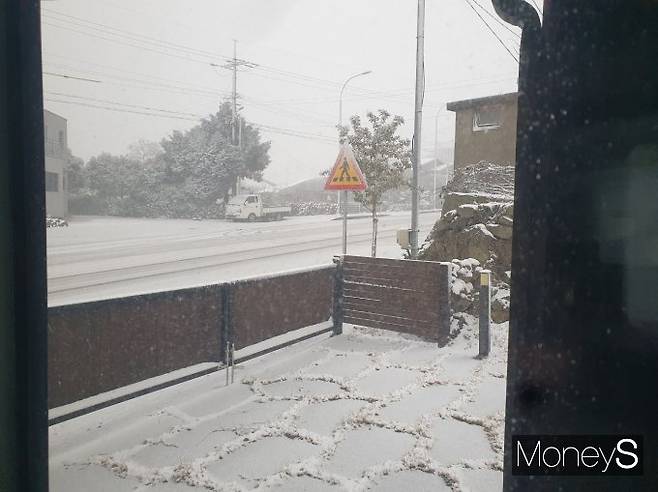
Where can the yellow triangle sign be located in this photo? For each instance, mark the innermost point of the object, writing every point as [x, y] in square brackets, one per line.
[346, 174]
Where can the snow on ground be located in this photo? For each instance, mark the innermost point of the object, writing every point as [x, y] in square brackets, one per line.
[366, 410]
[105, 257]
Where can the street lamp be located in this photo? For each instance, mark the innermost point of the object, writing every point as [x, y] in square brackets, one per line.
[343, 194]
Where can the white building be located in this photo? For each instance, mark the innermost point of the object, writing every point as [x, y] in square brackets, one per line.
[57, 200]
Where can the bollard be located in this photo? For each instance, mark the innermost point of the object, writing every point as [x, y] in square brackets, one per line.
[485, 313]
[338, 304]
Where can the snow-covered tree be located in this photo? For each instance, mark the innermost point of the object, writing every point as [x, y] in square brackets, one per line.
[383, 156]
[207, 161]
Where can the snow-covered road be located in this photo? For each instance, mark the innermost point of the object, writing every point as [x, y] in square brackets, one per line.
[366, 410]
[104, 257]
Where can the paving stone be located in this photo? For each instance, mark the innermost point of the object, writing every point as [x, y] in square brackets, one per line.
[261, 459]
[482, 480]
[88, 477]
[353, 342]
[409, 480]
[185, 446]
[489, 398]
[217, 399]
[341, 365]
[456, 441]
[364, 448]
[253, 414]
[459, 367]
[303, 484]
[172, 487]
[299, 388]
[417, 355]
[385, 381]
[424, 401]
[324, 417]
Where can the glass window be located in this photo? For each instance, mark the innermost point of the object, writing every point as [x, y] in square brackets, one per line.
[487, 118]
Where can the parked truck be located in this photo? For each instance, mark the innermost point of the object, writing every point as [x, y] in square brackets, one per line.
[254, 207]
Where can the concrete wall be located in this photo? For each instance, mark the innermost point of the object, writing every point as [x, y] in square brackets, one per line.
[496, 145]
[55, 133]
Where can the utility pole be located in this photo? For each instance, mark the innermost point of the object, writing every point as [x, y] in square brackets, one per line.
[418, 123]
[235, 91]
[234, 64]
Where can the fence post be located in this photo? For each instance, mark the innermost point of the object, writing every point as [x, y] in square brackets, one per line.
[338, 301]
[485, 313]
[445, 271]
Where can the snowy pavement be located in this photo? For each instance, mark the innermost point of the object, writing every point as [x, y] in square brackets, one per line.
[367, 410]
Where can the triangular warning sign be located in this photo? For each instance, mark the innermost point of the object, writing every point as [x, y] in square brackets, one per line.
[346, 174]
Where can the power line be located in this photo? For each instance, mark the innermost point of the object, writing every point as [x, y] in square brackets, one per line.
[186, 117]
[537, 7]
[148, 108]
[112, 31]
[118, 110]
[71, 77]
[492, 31]
[48, 55]
[176, 88]
[497, 19]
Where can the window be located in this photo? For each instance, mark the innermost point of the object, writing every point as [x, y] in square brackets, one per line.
[62, 140]
[487, 118]
[252, 199]
[52, 181]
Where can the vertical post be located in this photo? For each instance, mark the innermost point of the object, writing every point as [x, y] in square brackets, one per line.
[232, 362]
[418, 123]
[343, 194]
[226, 325]
[445, 316]
[435, 204]
[344, 200]
[338, 302]
[485, 313]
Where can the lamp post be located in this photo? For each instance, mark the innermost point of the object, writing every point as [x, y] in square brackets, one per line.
[418, 123]
[343, 194]
[436, 153]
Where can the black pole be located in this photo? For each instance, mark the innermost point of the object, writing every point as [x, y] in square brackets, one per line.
[23, 327]
[339, 300]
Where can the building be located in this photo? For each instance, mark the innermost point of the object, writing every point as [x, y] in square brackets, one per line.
[55, 138]
[485, 130]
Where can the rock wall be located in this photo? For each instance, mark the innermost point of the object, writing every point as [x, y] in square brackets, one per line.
[476, 223]
[465, 286]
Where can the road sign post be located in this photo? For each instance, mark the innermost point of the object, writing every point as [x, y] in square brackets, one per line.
[345, 176]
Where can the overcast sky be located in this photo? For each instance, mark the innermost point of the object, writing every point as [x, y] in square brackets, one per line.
[149, 68]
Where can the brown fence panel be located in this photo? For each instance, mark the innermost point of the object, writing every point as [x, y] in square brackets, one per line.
[401, 295]
[266, 307]
[99, 346]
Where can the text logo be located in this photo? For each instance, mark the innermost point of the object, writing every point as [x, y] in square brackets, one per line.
[577, 455]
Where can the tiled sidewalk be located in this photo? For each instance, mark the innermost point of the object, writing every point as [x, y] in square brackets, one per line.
[367, 410]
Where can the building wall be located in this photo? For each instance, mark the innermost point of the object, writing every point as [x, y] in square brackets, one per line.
[496, 145]
[55, 136]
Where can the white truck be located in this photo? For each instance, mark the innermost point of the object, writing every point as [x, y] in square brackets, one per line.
[254, 207]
